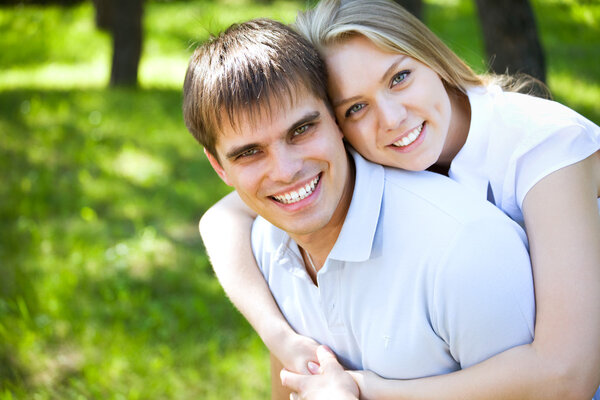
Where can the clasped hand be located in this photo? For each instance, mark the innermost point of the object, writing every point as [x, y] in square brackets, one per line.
[328, 380]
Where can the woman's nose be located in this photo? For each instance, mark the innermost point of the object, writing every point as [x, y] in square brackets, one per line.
[391, 114]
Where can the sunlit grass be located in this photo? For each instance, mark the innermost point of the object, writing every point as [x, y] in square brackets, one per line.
[65, 50]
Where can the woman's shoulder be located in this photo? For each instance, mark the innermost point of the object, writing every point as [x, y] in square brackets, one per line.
[528, 112]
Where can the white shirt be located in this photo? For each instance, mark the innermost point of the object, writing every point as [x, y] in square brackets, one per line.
[424, 279]
[514, 141]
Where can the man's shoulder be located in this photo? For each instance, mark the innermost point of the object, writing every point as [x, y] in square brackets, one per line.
[437, 197]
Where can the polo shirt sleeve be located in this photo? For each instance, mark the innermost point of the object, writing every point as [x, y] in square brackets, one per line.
[483, 293]
[550, 149]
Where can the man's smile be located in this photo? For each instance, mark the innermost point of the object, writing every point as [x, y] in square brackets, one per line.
[302, 192]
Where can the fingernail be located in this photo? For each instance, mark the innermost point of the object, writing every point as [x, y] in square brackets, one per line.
[313, 368]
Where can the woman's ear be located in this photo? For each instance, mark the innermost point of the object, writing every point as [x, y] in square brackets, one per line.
[217, 167]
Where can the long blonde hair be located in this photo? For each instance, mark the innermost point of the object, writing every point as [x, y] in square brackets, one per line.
[392, 28]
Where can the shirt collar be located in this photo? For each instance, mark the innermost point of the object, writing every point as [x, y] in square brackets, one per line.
[355, 240]
[468, 166]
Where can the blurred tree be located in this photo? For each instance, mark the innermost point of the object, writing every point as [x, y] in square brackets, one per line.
[510, 35]
[123, 19]
[511, 38]
[41, 2]
[415, 7]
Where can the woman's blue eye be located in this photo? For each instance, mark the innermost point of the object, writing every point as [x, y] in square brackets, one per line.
[354, 109]
[399, 78]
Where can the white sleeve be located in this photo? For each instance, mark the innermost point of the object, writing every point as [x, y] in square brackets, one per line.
[259, 243]
[549, 150]
[484, 298]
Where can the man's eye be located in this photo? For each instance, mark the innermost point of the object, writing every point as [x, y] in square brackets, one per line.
[354, 109]
[247, 153]
[399, 77]
[301, 130]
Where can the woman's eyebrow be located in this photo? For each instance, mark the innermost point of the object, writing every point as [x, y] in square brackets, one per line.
[343, 101]
[392, 68]
[384, 76]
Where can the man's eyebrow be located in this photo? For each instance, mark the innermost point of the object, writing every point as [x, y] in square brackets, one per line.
[308, 117]
[236, 151]
[387, 72]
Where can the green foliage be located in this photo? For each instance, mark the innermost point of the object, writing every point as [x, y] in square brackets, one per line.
[570, 34]
[105, 289]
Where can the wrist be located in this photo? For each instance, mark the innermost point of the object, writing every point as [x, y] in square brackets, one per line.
[277, 336]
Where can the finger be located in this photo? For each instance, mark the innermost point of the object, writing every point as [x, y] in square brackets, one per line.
[292, 380]
[294, 396]
[323, 349]
[327, 359]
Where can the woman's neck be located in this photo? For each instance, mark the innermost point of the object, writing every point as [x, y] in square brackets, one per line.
[460, 123]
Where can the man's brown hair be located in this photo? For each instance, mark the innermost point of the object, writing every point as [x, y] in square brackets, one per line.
[243, 72]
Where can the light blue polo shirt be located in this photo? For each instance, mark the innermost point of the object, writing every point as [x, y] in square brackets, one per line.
[423, 280]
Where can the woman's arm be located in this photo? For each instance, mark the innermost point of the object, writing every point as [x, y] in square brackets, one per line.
[563, 362]
[225, 229]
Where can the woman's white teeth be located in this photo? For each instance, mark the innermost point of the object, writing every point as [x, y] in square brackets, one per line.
[297, 195]
[411, 137]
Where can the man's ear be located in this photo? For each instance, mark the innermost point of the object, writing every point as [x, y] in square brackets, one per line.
[217, 167]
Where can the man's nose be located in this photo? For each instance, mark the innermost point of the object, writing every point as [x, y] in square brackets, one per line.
[286, 163]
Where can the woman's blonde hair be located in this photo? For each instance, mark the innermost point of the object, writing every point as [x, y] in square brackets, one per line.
[392, 28]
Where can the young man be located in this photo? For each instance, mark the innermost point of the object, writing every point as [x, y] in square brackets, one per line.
[400, 273]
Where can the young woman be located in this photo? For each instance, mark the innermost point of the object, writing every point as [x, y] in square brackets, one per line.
[403, 99]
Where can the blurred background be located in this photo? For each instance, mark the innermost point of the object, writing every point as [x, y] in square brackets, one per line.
[105, 288]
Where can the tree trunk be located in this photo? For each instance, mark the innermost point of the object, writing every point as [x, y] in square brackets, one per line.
[123, 19]
[415, 7]
[127, 42]
[510, 36]
[104, 13]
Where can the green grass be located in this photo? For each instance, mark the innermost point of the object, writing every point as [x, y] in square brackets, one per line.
[105, 289]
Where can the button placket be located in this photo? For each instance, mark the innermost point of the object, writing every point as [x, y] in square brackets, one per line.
[329, 288]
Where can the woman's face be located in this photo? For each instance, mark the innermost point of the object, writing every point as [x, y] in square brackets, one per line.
[393, 109]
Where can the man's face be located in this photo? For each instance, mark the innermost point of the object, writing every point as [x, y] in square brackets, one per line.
[290, 167]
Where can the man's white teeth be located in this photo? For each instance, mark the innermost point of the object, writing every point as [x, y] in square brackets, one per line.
[411, 137]
[295, 196]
